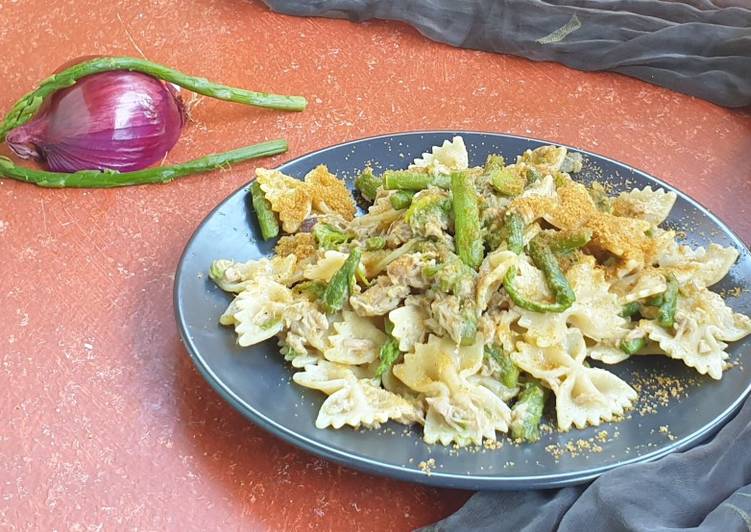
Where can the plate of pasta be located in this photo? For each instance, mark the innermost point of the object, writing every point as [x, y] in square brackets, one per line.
[469, 310]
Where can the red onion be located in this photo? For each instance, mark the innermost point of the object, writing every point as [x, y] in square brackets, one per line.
[117, 120]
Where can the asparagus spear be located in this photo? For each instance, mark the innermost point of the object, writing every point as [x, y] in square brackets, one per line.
[633, 345]
[266, 218]
[411, 180]
[509, 373]
[25, 108]
[375, 242]
[329, 237]
[467, 229]
[160, 174]
[630, 309]
[338, 289]
[527, 413]
[564, 242]
[388, 355]
[546, 261]
[503, 179]
[469, 325]
[515, 230]
[666, 316]
[367, 183]
[507, 182]
[401, 199]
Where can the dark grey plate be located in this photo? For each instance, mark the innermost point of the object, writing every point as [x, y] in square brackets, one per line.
[257, 382]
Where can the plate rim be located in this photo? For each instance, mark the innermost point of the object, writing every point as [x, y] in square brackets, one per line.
[438, 478]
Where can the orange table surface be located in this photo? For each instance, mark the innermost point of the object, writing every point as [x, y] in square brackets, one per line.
[105, 423]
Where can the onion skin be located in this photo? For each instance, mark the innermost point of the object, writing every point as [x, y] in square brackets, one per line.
[119, 120]
[36, 103]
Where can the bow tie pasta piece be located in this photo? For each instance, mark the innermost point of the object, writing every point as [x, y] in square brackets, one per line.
[296, 359]
[703, 323]
[492, 271]
[530, 281]
[596, 311]
[547, 159]
[391, 383]
[621, 236]
[325, 267]
[361, 404]
[549, 364]
[233, 276]
[542, 188]
[504, 393]
[639, 285]
[352, 401]
[458, 410]
[704, 267]
[468, 416]
[289, 197]
[607, 354]
[646, 204]
[409, 326]
[588, 396]
[439, 361]
[256, 312]
[327, 377]
[584, 396]
[329, 195]
[542, 329]
[357, 340]
[450, 156]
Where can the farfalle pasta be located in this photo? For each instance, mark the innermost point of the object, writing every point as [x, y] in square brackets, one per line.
[466, 298]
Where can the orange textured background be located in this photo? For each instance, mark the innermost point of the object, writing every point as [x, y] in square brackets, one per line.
[105, 423]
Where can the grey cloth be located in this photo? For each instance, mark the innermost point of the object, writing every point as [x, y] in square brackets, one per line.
[707, 488]
[699, 47]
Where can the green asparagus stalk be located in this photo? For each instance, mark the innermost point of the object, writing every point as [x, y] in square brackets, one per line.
[401, 199]
[521, 301]
[339, 286]
[388, 355]
[493, 162]
[563, 242]
[546, 261]
[630, 309]
[527, 413]
[25, 108]
[632, 346]
[507, 182]
[367, 183]
[467, 229]
[312, 290]
[666, 316]
[375, 242]
[509, 372]
[515, 230]
[411, 180]
[161, 174]
[469, 324]
[329, 237]
[266, 218]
